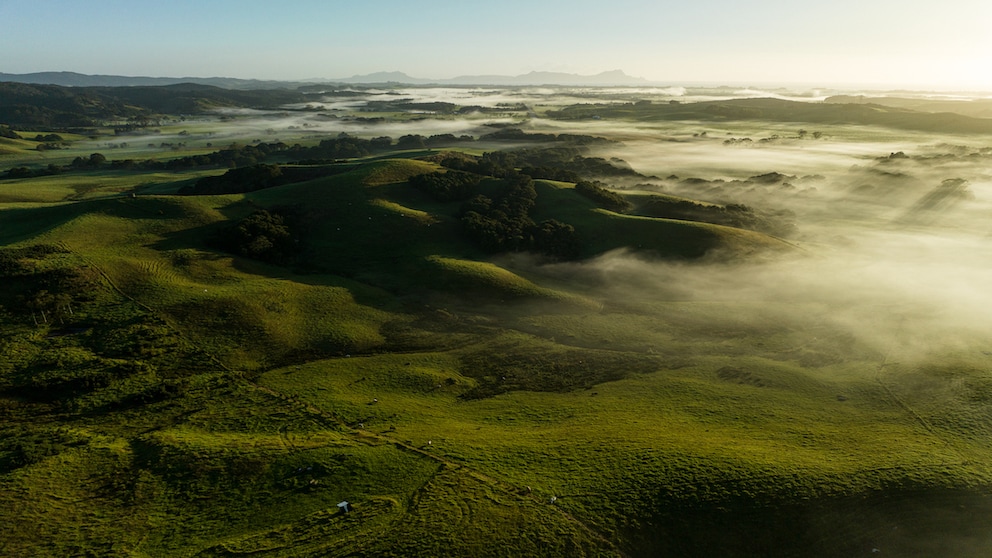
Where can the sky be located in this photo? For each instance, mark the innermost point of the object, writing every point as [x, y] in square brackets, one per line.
[886, 43]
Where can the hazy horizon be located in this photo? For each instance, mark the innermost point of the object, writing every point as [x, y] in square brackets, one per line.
[812, 90]
[880, 44]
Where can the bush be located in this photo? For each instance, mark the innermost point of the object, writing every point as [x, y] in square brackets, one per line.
[6, 132]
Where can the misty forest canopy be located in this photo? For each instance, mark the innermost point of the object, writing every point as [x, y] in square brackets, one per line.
[390, 320]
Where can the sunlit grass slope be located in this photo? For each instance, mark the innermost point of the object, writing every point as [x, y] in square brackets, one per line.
[249, 313]
[600, 230]
[196, 403]
[254, 315]
[663, 446]
[93, 184]
[16, 147]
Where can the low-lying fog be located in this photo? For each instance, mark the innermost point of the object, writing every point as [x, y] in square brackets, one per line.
[892, 227]
[349, 111]
[893, 232]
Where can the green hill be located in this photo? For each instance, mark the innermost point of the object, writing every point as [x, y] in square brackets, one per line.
[213, 375]
[365, 228]
[601, 231]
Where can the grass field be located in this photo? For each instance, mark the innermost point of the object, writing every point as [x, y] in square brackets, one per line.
[682, 389]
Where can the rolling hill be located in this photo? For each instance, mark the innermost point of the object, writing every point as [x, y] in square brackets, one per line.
[387, 356]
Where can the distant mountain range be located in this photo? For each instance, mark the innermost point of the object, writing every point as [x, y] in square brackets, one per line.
[615, 77]
[73, 79]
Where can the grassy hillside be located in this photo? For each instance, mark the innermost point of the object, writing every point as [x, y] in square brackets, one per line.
[601, 231]
[9, 146]
[162, 396]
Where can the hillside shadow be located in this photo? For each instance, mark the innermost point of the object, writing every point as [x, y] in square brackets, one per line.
[899, 521]
[18, 224]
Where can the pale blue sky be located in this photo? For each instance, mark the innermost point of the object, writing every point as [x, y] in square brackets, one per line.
[821, 42]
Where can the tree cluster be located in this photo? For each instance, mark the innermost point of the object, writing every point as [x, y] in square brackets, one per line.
[518, 135]
[556, 239]
[561, 162]
[503, 223]
[93, 161]
[232, 157]
[417, 141]
[497, 164]
[271, 235]
[406, 105]
[237, 181]
[447, 186]
[551, 173]
[499, 222]
[604, 198]
[732, 215]
[48, 138]
[257, 177]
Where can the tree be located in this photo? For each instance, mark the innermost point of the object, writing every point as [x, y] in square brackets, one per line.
[606, 199]
[557, 239]
[268, 235]
[381, 143]
[6, 132]
[446, 186]
[503, 223]
[411, 141]
[19, 172]
[94, 160]
[440, 139]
